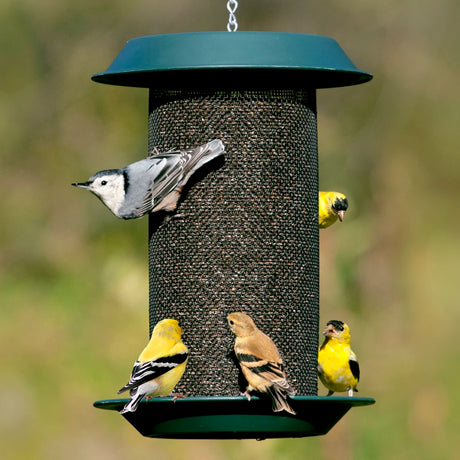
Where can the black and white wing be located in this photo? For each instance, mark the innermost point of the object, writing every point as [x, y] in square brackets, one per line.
[144, 372]
[354, 367]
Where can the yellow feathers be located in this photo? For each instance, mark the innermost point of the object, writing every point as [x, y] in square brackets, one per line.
[159, 367]
[338, 366]
[260, 362]
[331, 206]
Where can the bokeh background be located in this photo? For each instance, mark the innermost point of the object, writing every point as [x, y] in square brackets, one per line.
[74, 280]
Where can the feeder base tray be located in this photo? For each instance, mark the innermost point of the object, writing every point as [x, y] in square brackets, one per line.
[235, 417]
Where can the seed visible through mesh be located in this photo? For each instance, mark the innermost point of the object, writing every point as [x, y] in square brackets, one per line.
[246, 238]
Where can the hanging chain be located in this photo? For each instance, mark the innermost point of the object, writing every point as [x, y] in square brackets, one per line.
[232, 25]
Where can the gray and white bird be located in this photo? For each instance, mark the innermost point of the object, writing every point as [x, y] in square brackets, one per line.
[152, 184]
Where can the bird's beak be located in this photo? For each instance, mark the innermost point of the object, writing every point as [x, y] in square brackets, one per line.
[341, 215]
[81, 184]
[328, 331]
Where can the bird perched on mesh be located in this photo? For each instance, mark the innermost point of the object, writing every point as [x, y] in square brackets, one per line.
[331, 206]
[260, 362]
[152, 184]
[338, 366]
[159, 367]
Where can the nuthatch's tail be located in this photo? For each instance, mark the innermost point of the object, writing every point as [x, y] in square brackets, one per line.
[199, 156]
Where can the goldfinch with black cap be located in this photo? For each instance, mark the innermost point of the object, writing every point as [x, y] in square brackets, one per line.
[331, 206]
[338, 367]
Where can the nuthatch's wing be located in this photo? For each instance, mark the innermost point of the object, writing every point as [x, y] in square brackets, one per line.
[162, 176]
[168, 174]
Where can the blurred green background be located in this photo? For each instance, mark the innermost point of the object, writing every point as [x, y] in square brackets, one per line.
[74, 279]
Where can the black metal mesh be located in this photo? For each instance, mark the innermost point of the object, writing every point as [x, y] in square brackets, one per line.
[247, 235]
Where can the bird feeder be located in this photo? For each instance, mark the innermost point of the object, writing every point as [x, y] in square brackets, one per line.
[246, 237]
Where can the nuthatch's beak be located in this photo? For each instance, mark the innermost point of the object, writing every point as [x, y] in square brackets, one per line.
[341, 215]
[81, 184]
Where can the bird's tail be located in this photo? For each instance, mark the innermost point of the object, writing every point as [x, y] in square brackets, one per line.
[125, 388]
[131, 406]
[199, 156]
[279, 399]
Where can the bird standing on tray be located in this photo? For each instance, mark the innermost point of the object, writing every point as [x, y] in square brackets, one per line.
[331, 206]
[260, 362]
[338, 366]
[152, 184]
[159, 367]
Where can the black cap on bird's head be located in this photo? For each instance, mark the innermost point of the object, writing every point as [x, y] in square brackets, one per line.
[337, 330]
[101, 182]
[336, 324]
[333, 328]
[94, 177]
[340, 205]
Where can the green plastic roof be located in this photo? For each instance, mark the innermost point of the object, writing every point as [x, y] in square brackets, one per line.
[232, 60]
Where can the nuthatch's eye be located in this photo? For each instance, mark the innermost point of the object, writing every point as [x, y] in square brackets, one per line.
[104, 182]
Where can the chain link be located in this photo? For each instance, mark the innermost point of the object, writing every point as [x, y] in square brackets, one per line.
[232, 25]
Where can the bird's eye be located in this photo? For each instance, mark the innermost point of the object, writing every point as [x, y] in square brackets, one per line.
[104, 182]
[231, 323]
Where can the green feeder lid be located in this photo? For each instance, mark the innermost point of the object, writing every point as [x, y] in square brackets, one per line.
[232, 60]
[234, 417]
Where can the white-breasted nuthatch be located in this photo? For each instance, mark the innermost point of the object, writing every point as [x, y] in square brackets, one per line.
[152, 184]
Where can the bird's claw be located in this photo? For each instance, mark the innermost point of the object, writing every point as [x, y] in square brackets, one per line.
[248, 396]
[168, 218]
[177, 396]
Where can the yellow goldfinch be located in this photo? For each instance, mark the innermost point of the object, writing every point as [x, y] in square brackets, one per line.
[159, 367]
[331, 205]
[338, 366]
[260, 362]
